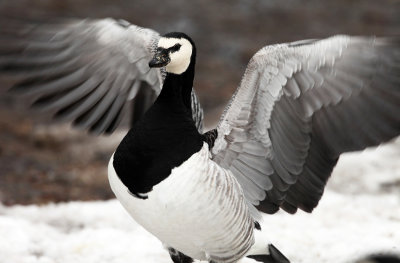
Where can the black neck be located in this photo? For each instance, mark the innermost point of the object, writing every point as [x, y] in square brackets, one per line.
[177, 89]
[164, 138]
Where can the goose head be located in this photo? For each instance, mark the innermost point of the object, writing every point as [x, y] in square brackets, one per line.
[176, 52]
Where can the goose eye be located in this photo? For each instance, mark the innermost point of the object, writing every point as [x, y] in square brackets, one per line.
[175, 48]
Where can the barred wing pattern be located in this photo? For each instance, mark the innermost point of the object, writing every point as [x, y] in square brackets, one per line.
[301, 105]
[84, 71]
[197, 112]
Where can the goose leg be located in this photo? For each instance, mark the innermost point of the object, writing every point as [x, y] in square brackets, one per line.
[178, 257]
[273, 256]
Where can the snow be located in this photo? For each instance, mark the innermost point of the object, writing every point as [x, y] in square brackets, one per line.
[359, 214]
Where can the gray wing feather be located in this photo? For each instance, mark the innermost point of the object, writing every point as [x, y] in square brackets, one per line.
[298, 107]
[83, 71]
[197, 112]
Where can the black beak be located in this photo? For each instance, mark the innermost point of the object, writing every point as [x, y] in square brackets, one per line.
[160, 59]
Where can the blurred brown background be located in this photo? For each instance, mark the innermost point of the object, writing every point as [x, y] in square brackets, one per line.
[41, 163]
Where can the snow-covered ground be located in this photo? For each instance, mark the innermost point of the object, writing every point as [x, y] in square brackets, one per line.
[359, 214]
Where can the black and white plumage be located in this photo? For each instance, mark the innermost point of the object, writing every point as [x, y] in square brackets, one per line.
[87, 72]
[193, 213]
[298, 107]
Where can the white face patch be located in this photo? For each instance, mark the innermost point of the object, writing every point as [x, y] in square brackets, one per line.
[180, 59]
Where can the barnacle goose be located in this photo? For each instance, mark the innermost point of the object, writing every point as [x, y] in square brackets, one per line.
[298, 107]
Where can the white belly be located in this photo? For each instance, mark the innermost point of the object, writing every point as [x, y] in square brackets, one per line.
[199, 210]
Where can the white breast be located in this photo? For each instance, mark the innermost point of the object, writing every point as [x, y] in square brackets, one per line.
[199, 210]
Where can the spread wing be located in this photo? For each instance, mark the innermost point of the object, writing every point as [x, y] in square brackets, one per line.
[298, 107]
[89, 72]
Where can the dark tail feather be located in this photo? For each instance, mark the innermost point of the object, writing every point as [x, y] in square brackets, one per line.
[275, 256]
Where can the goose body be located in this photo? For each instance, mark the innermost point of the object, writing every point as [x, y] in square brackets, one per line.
[298, 107]
[163, 174]
[198, 204]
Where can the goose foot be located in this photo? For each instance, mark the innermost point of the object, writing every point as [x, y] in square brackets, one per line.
[178, 257]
